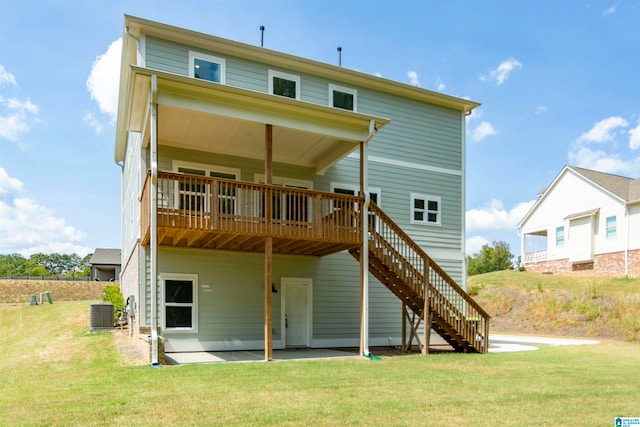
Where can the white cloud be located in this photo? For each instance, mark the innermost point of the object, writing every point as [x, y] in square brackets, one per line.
[440, 84]
[599, 160]
[606, 133]
[610, 10]
[474, 244]
[103, 83]
[27, 227]
[541, 109]
[634, 137]
[7, 77]
[15, 117]
[483, 130]
[9, 185]
[413, 78]
[494, 216]
[604, 130]
[501, 73]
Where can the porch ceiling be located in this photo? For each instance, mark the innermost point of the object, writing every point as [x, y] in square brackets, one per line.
[212, 117]
[202, 131]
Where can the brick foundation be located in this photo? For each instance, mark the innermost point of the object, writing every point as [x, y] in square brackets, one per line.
[604, 265]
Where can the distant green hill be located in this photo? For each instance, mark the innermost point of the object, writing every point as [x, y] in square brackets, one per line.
[524, 302]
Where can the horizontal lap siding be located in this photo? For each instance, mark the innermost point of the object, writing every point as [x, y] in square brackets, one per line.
[418, 133]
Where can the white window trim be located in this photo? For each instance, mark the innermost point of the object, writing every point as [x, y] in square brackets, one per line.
[207, 169]
[284, 181]
[615, 227]
[564, 236]
[351, 91]
[356, 189]
[426, 198]
[210, 58]
[287, 76]
[194, 311]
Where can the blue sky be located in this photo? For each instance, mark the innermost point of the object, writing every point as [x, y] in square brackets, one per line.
[559, 83]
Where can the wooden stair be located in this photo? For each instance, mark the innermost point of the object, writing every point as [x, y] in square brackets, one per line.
[407, 271]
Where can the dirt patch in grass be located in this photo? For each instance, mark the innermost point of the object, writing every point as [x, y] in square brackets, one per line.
[19, 291]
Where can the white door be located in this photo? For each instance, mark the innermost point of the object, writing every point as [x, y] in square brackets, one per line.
[580, 240]
[296, 312]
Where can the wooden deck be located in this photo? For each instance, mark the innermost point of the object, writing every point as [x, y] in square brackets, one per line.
[213, 213]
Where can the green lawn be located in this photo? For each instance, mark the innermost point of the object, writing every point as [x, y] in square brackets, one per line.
[55, 373]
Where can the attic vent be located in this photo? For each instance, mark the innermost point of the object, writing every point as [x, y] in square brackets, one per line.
[101, 316]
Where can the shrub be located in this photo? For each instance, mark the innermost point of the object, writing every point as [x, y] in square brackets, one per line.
[113, 295]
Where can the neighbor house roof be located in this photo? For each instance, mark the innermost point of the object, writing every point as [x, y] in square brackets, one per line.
[103, 256]
[628, 189]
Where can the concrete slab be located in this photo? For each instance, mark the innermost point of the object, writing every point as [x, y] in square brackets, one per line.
[255, 356]
[502, 343]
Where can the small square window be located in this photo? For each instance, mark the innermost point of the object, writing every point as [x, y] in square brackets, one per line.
[206, 67]
[283, 84]
[342, 97]
[425, 209]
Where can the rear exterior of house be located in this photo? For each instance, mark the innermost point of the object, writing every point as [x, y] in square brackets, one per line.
[249, 176]
[586, 221]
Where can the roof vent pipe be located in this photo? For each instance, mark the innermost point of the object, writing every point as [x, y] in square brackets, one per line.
[339, 57]
[261, 35]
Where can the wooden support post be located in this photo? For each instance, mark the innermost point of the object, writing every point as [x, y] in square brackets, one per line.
[426, 310]
[268, 248]
[404, 328]
[268, 297]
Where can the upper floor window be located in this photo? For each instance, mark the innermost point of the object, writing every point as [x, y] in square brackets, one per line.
[559, 236]
[206, 67]
[284, 84]
[611, 227]
[425, 209]
[343, 97]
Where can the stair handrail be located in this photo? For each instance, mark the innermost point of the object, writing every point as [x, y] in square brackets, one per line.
[439, 302]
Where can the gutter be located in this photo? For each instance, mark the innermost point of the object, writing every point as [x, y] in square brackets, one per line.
[364, 259]
[153, 101]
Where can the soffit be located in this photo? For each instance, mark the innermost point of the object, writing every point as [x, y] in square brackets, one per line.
[211, 117]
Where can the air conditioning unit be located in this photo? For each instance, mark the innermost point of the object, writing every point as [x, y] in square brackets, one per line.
[101, 316]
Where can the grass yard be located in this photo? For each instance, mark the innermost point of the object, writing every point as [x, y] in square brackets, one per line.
[54, 372]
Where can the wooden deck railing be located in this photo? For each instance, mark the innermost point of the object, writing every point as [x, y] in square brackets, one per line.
[204, 204]
[412, 265]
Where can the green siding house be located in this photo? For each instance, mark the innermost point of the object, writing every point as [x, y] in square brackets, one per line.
[271, 201]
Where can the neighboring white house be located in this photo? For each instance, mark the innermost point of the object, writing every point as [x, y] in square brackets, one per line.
[585, 220]
[260, 189]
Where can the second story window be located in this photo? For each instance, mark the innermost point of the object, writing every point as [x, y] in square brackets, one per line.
[343, 97]
[206, 67]
[284, 84]
[425, 209]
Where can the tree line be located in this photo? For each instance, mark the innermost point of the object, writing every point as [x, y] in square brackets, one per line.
[45, 265]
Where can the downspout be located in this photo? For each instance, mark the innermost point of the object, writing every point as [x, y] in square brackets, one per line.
[627, 213]
[154, 218]
[364, 261]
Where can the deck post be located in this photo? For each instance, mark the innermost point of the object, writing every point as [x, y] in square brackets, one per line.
[426, 311]
[268, 249]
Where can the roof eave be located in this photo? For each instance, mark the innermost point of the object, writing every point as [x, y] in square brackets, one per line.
[296, 63]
